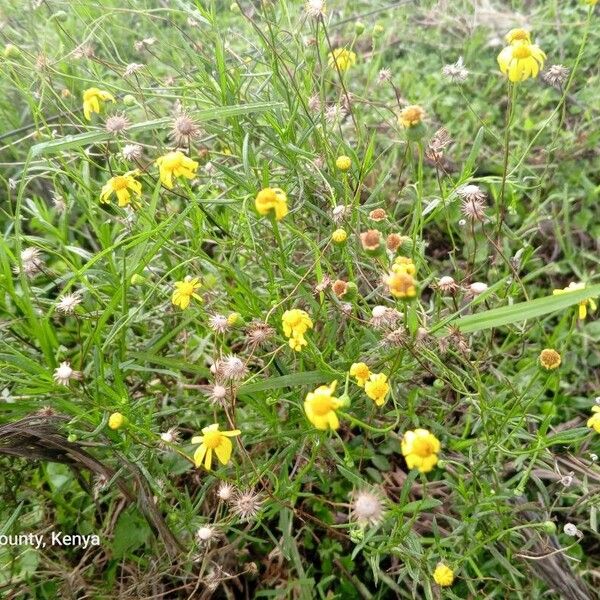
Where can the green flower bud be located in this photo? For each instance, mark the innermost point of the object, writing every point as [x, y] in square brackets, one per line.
[129, 100]
[549, 527]
[137, 279]
[359, 27]
[11, 51]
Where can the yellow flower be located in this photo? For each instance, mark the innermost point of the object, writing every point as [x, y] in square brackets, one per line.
[443, 575]
[343, 58]
[591, 2]
[411, 116]
[377, 388]
[521, 60]
[401, 285]
[233, 319]
[420, 449]
[271, 199]
[216, 440]
[175, 164]
[120, 185]
[361, 372]
[184, 292]
[550, 359]
[339, 236]
[296, 323]
[92, 99]
[584, 304]
[518, 35]
[320, 407]
[594, 421]
[116, 420]
[403, 264]
[343, 163]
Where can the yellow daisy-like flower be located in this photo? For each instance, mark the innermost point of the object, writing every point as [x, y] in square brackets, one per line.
[184, 292]
[213, 440]
[361, 372]
[343, 163]
[401, 285]
[121, 186]
[271, 199]
[403, 264]
[92, 101]
[343, 58]
[320, 407]
[594, 421]
[518, 35]
[443, 575]
[521, 60]
[550, 359]
[296, 323]
[420, 449]
[584, 304]
[377, 388]
[411, 116]
[175, 164]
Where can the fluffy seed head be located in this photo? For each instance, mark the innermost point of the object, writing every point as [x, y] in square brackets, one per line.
[131, 152]
[367, 508]
[315, 8]
[206, 534]
[246, 505]
[116, 124]
[233, 367]
[259, 333]
[456, 72]
[384, 76]
[556, 76]
[184, 129]
[218, 323]
[225, 492]
[68, 303]
[447, 284]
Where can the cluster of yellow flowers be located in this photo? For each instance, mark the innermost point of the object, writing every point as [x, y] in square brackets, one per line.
[375, 384]
[520, 59]
[170, 165]
[401, 281]
[296, 323]
[420, 447]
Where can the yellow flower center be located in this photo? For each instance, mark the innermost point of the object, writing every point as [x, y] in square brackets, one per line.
[171, 161]
[212, 439]
[119, 183]
[522, 51]
[321, 405]
[187, 288]
[422, 448]
[378, 389]
[362, 372]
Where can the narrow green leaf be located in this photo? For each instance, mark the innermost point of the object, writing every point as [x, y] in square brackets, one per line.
[521, 311]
